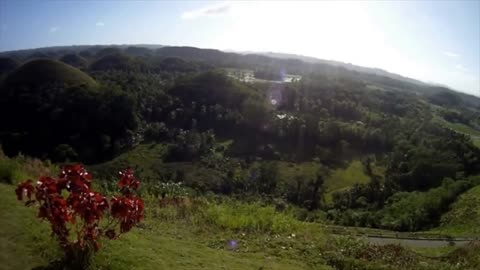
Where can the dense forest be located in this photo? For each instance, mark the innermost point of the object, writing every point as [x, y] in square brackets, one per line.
[92, 104]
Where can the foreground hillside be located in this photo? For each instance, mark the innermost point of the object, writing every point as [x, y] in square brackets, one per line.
[156, 245]
[209, 233]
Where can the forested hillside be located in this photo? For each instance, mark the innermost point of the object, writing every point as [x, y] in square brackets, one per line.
[347, 147]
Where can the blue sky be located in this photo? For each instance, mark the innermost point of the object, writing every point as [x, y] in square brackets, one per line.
[432, 41]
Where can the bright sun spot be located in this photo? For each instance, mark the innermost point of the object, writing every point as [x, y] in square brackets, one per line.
[329, 30]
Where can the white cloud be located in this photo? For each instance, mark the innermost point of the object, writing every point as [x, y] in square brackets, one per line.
[214, 10]
[54, 29]
[100, 24]
[451, 54]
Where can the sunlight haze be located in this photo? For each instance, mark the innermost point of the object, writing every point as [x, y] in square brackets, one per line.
[436, 42]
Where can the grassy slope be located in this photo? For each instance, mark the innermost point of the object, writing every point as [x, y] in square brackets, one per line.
[145, 158]
[464, 215]
[25, 243]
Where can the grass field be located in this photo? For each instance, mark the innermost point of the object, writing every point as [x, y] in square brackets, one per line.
[26, 243]
[339, 179]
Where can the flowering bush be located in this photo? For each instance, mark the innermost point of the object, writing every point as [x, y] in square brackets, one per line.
[75, 211]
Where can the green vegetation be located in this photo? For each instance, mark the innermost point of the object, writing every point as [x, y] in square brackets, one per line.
[145, 159]
[434, 252]
[251, 218]
[339, 179]
[415, 210]
[157, 245]
[66, 110]
[116, 61]
[197, 233]
[464, 215]
[74, 60]
[462, 128]
[343, 178]
[20, 168]
[221, 155]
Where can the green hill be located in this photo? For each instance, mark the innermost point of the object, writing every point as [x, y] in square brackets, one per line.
[43, 72]
[117, 61]
[211, 88]
[108, 51]
[177, 64]
[74, 60]
[138, 51]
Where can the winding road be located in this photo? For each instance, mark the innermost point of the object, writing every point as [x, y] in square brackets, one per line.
[417, 243]
[415, 240]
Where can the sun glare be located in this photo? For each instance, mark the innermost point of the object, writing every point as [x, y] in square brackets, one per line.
[328, 30]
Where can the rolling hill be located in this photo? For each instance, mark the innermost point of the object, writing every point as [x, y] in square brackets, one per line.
[42, 72]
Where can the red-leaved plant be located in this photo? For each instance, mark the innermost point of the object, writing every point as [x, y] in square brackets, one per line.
[75, 211]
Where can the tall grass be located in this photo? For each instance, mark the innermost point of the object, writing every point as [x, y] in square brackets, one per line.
[251, 217]
[10, 172]
[228, 215]
[20, 168]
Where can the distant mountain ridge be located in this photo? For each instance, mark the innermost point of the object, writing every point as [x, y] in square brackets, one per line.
[309, 59]
[218, 58]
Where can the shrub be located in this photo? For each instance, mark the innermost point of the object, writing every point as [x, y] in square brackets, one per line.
[8, 171]
[15, 170]
[70, 205]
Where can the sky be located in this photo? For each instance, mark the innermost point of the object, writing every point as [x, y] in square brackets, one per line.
[435, 41]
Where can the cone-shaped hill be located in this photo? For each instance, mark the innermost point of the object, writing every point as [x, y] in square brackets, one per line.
[43, 72]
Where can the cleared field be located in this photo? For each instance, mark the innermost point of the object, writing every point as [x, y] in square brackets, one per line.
[339, 179]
